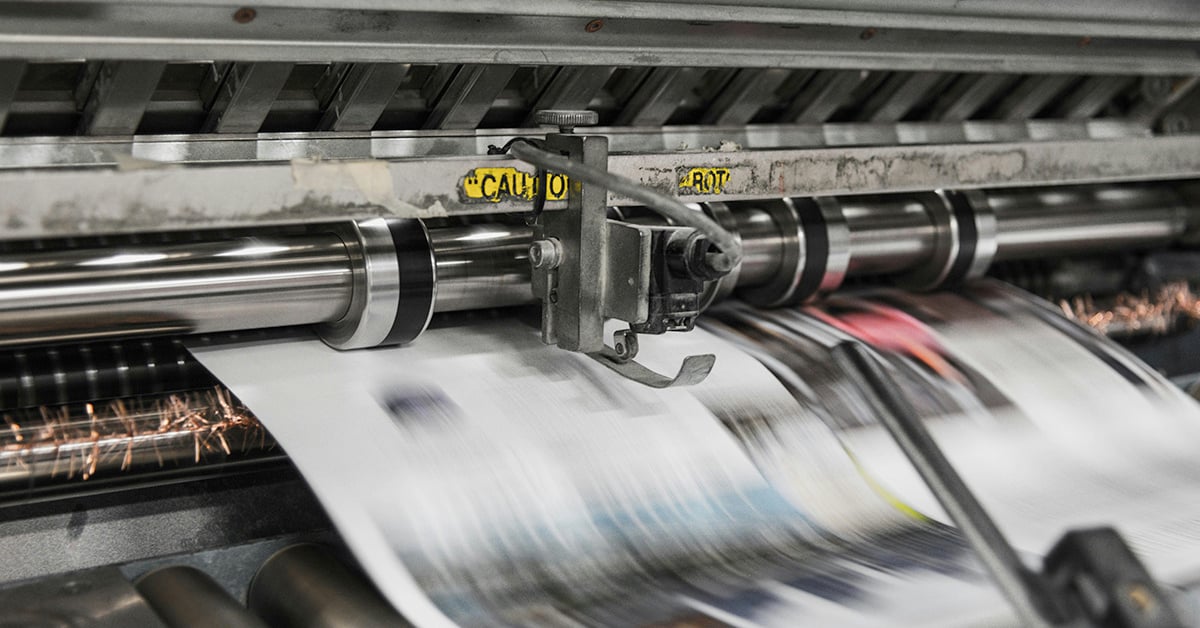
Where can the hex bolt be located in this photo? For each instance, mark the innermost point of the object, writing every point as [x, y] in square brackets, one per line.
[545, 254]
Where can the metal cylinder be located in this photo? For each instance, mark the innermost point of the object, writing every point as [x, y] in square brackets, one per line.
[380, 289]
[197, 287]
[394, 283]
[762, 247]
[888, 234]
[304, 586]
[185, 597]
[1070, 221]
[481, 266]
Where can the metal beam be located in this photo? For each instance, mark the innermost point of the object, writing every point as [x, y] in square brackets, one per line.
[57, 203]
[827, 92]
[745, 94]
[118, 98]
[179, 32]
[658, 96]
[1031, 96]
[10, 80]
[571, 88]
[1149, 19]
[41, 152]
[967, 95]
[245, 96]
[1090, 97]
[899, 95]
[468, 96]
[360, 98]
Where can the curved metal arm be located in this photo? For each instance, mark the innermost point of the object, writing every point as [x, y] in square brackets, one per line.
[695, 369]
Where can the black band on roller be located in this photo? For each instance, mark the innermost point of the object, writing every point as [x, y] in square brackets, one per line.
[816, 257]
[418, 280]
[968, 238]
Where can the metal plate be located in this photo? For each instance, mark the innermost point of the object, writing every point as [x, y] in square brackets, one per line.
[47, 203]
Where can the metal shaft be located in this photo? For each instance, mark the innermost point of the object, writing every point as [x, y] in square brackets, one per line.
[1035, 223]
[481, 266]
[185, 597]
[887, 234]
[1014, 579]
[52, 296]
[762, 246]
[310, 278]
[198, 287]
[304, 586]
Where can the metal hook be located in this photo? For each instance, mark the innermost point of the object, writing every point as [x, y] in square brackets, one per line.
[695, 368]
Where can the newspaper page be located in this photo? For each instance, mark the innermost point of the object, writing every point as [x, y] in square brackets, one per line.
[1051, 426]
[482, 478]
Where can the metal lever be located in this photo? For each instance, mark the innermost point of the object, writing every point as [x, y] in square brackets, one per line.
[619, 358]
[695, 369]
[1090, 578]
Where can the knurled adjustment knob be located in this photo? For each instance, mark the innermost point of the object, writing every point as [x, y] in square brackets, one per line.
[566, 119]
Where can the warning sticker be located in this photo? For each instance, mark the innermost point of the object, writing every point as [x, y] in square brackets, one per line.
[492, 185]
[704, 181]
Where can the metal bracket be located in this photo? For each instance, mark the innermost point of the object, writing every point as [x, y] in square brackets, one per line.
[587, 269]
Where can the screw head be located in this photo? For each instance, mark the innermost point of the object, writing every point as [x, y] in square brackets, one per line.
[244, 15]
[625, 344]
[545, 254]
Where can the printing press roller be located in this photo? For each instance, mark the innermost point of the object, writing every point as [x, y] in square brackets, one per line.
[378, 282]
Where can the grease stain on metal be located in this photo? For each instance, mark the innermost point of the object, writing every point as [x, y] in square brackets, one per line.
[904, 171]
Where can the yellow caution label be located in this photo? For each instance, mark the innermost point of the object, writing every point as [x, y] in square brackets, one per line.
[704, 181]
[492, 185]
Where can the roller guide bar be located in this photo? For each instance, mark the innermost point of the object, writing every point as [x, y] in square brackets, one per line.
[1089, 578]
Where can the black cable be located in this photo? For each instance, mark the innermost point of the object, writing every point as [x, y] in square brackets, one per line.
[539, 176]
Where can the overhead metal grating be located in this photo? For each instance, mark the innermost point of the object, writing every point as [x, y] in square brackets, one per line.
[114, 97]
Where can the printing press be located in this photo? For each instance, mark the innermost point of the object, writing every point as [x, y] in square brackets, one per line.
[566, 313]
